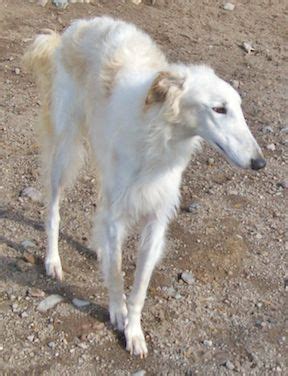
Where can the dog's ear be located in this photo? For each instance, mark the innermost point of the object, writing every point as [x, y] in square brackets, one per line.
[164, 83]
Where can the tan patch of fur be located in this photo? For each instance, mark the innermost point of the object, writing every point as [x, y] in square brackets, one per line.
[158, 91]
[108, 75]
[166, 86]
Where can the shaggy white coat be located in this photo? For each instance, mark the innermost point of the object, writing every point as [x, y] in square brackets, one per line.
[105, 86]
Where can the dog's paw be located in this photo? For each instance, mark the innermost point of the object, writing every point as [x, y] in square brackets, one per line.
[135, 341]
[54, 268]
[118, 315]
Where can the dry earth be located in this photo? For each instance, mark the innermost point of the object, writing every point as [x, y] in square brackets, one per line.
[233, 317]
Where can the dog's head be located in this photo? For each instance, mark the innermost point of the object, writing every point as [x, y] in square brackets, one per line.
[197, 101]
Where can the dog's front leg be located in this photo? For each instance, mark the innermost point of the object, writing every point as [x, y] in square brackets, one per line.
[152, 241]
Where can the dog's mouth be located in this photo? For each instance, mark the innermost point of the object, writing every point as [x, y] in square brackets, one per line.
[227, 156]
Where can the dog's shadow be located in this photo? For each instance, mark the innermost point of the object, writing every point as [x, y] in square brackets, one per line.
[28, 280]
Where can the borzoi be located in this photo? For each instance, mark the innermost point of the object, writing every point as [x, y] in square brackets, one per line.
[106, 86]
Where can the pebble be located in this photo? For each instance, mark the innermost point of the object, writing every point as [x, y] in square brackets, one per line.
[80, 303]
[36, 293]
[207, 343]
[136, 2]
[271, 147]
[28, 257]
[15, 307]
[228, 6]
[49, 302]
[24, 315]
[62, 4]
[235, 84]
[31, 338]
[258, 236]
[28, 244]
[17, 71]
[229, 365]
[173, 293]
[32, 193]
[193, 207]
[141, 372]
[52, 345]
[83, 345]
[284, 130]
[267, 129]
[210, 161]
[248, 47]
[188, 278]
[283, 184]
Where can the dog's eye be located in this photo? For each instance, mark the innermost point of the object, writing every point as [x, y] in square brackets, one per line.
[220, 110]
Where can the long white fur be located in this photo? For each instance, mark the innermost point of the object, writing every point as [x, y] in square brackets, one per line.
[102, 85]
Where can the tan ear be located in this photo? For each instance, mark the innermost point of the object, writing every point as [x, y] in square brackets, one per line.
[162, 84]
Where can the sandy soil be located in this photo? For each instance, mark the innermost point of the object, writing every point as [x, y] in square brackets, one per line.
[233, 318]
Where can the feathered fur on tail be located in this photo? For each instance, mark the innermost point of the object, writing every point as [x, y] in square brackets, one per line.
[39, 60]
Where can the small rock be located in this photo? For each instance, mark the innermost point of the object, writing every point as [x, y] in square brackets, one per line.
[171, 292]
[284, 130]
[235, 84]
[178, 296]
[283, 184]
[17, 71]
[228, 6]
[210, 161]
[52, 345]
[28, 244]
[80, 303]
[141, 372]
[24, 315]
[62, 4]
[193, 207]
[83, 345]
[271, 147]
[267, 129]
[49, 302]
[136, 2]
[43, 3]
[29, 257]
[207, 343]
[31, 338]
[188, 278]
[258, 236]
[15, 308]
[32, 193]
[36, 293]
[248, 47]
[229, 365]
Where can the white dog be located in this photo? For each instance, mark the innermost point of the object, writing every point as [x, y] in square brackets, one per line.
[106, 86]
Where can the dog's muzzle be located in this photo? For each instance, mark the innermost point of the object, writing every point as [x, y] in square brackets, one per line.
[258, 163]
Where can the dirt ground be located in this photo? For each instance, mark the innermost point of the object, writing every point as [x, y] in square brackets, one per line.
[233, 318]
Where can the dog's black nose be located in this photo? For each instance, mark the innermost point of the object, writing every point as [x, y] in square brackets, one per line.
[258, 163]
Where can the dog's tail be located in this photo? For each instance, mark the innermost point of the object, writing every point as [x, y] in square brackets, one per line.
[39, 57]
[39, 60]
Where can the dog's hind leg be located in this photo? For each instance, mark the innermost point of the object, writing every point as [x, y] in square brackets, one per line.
[152, 241]
[65, 163]
[109, 234]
